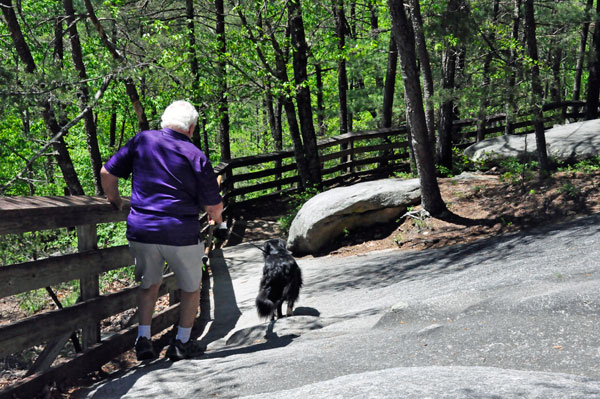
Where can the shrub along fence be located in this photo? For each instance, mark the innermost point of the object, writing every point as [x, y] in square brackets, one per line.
[344, 158]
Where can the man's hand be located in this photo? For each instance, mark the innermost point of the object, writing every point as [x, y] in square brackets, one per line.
[118, 203]
[221, 232]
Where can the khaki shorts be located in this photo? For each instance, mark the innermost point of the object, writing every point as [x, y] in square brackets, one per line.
[184, 261]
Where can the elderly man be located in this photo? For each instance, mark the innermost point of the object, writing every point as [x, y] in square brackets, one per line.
[172, 181]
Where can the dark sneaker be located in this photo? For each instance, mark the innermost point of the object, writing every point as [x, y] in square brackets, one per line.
[144, 349]
[178, 350]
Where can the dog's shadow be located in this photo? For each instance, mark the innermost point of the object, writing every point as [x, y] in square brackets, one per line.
[304, 311]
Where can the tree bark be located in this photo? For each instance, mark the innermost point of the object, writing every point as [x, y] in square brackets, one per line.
[444, 142]
[593, 87]
[280, 72]
[425, 63]
[84, 97]
[481, 115]
[536, 86]
[581, 54]
[510, 105]
[223, 104]
[320, 102]
[63, 157]
[340, 33]
[390, 85]
[303, 100]
[431, 198]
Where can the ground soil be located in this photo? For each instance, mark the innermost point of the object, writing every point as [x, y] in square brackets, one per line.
[497, 203]
[494, 203]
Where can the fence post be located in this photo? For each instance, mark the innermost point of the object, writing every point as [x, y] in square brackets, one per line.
[90, 285]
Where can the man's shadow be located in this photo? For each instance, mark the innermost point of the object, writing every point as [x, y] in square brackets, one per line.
[222, 313]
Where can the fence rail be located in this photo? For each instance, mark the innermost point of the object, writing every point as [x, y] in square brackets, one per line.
[343, 158]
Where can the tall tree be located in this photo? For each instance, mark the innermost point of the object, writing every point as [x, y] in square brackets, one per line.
[390, 84]
[536, 86]
[581, 53]
[340, 34]
[425, 64]
[431, 198]
[593, 86]
[454, 17]
[223, 104]
[23, 51]
[303, 101]
[194, 68]
[84, 96]
[279, 71]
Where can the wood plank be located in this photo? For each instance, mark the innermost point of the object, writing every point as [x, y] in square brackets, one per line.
[89, 285]
[90, 360]
[263, 186]
[262, 173]
[29, 276]
[360, 150]
[34, 330]
[357, 136]
[23, 214]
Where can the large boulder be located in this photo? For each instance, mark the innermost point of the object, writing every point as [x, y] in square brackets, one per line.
[570, 142]
[326, 215]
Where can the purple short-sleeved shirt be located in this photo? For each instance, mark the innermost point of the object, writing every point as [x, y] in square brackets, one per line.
[171, 182]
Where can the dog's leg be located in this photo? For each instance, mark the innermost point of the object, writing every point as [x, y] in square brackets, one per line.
[290, 309]
[279, 313]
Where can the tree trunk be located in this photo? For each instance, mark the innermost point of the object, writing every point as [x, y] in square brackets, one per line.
[280, 72]
[537, 91]
[84, 97]
[581, 54]
[404, 36]
[340, 33]
[444, 142]
[223, 105]
[390, 85]
[593, 88]
[510, 106]
[424, 62]
[194, 69]
[299, 53]
[320, 102]
[63, 157]
[481, 115]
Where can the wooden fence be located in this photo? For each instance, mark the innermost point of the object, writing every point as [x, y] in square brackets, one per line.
[344, 158]
[369, 154]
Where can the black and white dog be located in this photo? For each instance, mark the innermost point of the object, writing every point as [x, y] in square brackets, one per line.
[281, 280]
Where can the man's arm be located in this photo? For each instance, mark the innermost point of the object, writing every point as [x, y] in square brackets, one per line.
[110, 185]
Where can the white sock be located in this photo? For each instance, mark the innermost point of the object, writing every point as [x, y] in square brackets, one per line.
[144, 331]
[183, 334]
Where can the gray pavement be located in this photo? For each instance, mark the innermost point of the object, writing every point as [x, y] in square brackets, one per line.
[509, 317]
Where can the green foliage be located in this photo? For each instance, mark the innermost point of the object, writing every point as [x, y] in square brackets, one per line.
[295, 203]
[585, 165]
[570, 190]
[516, 171]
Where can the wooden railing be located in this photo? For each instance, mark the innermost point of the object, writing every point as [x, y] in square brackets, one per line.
[54, 328]
[344, 158]
[368, 154]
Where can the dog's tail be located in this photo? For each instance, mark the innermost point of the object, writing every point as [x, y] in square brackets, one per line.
[264, 305]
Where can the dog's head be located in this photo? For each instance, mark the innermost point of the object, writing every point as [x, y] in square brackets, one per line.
[275, 246]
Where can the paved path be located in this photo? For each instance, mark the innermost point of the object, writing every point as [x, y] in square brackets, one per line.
[509, 317]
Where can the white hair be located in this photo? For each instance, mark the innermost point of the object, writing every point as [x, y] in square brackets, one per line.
[179, 115]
